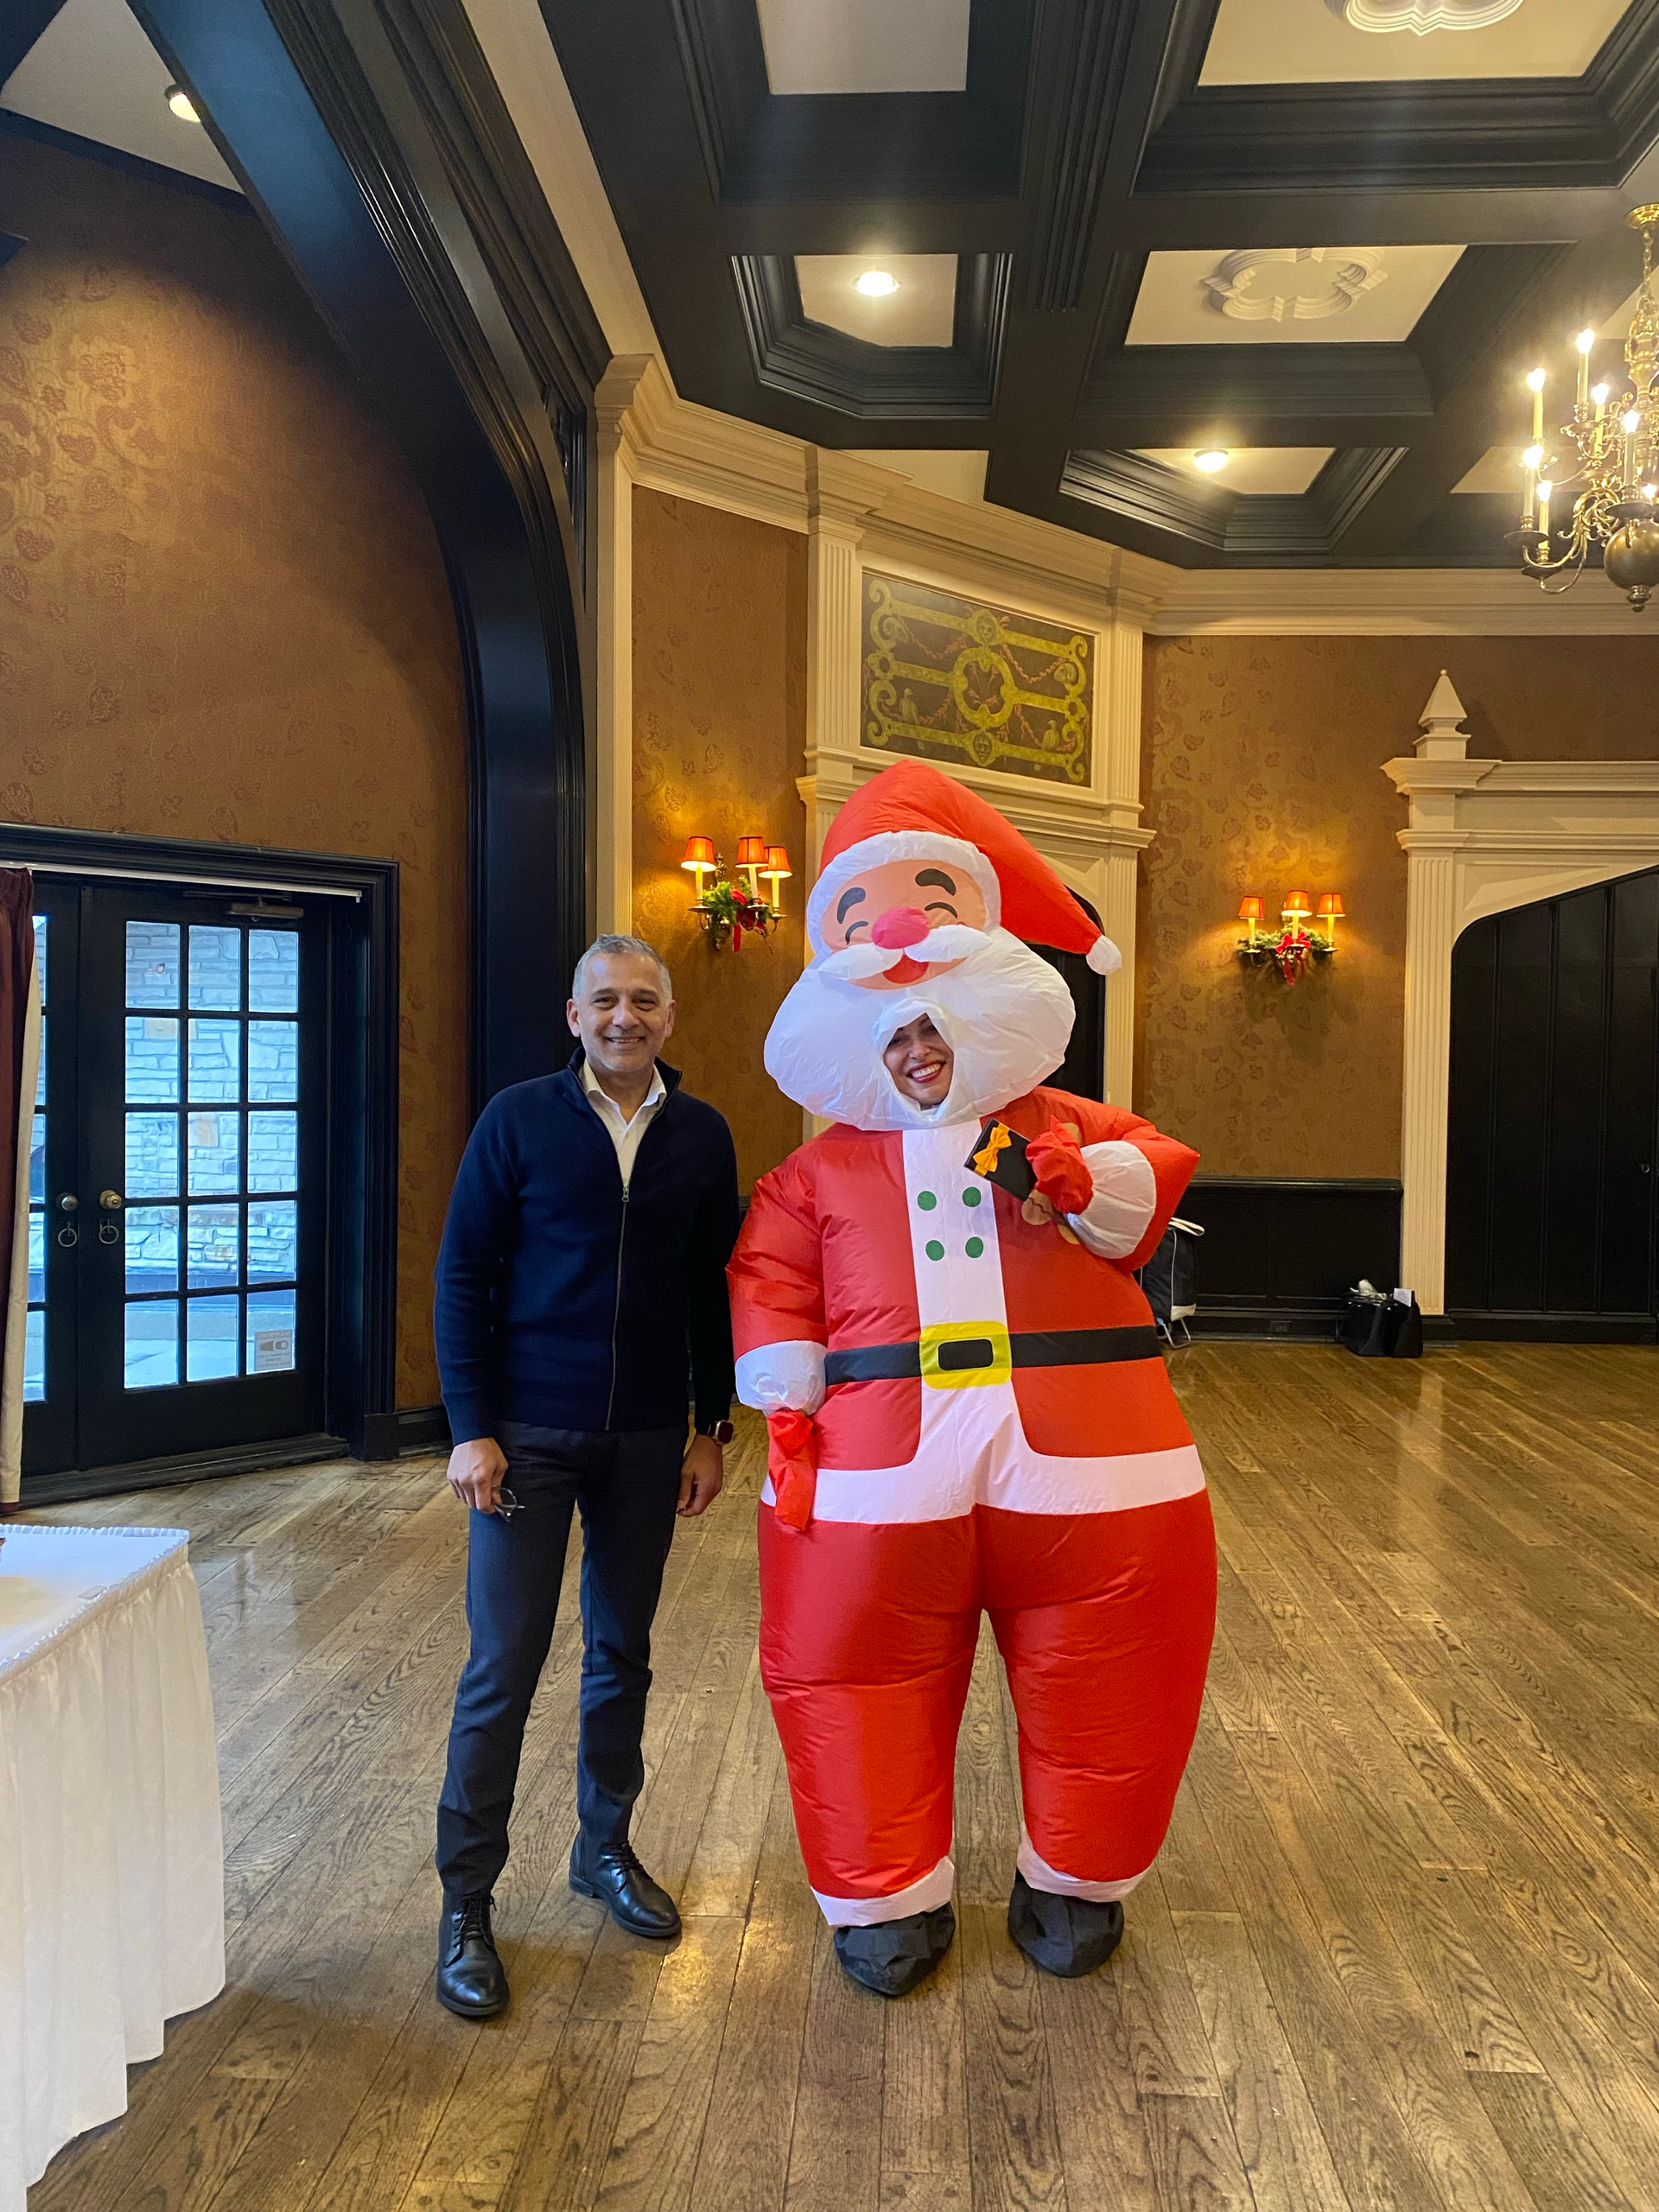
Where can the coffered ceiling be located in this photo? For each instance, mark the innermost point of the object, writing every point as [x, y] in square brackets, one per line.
[1336, 232]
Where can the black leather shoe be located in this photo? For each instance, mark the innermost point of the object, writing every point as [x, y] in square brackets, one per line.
[895, 1956]
[471, 1979]
[1068, 1937]
[617, 1879]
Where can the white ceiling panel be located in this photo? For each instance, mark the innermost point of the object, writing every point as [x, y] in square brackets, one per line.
[1314, 295]
[1498, 470]
[865, 46]
[93, 71]
[1355, 41]
[1253, 470]
[922, 312]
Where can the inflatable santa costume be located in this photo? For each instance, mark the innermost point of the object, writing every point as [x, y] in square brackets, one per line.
[967, 1405]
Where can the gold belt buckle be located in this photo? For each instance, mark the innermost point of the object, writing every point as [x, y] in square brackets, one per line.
[965, 1355]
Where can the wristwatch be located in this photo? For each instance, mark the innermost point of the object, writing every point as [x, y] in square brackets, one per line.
[720, 1431]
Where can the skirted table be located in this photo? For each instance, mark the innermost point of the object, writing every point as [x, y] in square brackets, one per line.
[111, 1854]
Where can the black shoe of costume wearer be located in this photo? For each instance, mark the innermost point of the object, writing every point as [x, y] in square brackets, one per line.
[1064, 1936]
[896, 1955]
[617, 1879]
[471, 1979]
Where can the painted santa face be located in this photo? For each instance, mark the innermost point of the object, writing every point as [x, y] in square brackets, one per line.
[900, 905]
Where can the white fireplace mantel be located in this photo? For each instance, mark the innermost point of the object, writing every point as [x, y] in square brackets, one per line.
[1485, 836]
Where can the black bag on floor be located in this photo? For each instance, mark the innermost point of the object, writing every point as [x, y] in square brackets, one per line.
[1169, 1280]
[1374, 1327]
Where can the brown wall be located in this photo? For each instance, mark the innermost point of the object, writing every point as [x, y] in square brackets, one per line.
[222, 613]
[1262, 770]
[719, 737]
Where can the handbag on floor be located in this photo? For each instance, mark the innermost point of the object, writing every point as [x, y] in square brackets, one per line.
[1376, 1327]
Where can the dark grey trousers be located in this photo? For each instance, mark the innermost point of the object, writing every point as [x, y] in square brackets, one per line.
[625, 1484]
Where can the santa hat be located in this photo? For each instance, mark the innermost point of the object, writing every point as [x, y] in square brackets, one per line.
[912, 812]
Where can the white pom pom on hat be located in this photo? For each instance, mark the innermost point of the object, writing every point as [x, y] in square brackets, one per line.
[910, 804]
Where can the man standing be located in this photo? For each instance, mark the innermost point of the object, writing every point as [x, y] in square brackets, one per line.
[582, 1260]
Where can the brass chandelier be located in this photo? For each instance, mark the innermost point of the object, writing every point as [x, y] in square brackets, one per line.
[1599, 484]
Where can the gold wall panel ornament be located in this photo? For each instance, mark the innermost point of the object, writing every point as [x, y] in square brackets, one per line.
[968, 684]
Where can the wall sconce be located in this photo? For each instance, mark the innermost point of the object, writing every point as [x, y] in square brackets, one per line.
[728, 910]
[1295, 941]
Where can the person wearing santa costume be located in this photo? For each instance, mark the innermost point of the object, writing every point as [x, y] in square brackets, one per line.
[966, 1403]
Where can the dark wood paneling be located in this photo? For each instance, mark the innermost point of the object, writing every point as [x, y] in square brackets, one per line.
[1553, 1138]
[1280, 1253]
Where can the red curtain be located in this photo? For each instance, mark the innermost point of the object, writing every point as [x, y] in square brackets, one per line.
[19, 1043]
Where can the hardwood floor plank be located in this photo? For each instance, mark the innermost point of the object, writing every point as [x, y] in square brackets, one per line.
[1012, 2124]
[652, 2154]
[1401, 1953]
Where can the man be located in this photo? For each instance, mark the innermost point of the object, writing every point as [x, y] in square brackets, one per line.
[968, 1411]
[582, 1258]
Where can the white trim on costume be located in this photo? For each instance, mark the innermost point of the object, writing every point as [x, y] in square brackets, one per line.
[1042, 1876]
[1016, 1481]
[902, 845]
[788, 1375]
[1126, 1197]
[925, 1895]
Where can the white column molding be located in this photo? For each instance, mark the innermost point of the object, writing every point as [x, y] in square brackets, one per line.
[1485, 835]
[610, 782]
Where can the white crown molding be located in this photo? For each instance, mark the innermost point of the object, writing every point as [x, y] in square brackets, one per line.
[1386, 603]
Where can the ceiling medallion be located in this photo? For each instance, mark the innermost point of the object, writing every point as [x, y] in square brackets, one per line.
[1292, 283]
[1599, 485]
[1423, 17]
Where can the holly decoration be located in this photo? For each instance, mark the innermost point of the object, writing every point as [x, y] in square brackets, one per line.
[730, 910]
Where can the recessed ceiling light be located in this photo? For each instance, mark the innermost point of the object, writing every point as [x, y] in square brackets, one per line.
[181, 103]
[876, 283]
[1210, 459]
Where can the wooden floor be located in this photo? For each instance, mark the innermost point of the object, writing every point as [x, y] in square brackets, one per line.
[1401, 1951]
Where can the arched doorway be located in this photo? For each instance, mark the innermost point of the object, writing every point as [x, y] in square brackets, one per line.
[1552, 1154]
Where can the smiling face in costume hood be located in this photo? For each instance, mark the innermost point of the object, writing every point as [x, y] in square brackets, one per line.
[906, 918]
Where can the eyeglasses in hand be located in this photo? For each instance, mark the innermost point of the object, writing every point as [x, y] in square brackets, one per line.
[506, 1505]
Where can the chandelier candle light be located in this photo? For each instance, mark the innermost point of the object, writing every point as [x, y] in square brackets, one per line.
[1597, 486]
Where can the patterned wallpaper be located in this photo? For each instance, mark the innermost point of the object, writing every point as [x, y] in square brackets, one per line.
[1262, 772]
[224, 613]
[719, 737]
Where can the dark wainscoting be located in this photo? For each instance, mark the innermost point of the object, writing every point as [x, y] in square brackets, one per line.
[1280, 1253]
[411, 1428]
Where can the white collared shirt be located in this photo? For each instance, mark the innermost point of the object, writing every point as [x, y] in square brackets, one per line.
[625, 1133]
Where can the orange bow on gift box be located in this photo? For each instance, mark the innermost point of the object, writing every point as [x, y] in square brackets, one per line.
[793, 1463]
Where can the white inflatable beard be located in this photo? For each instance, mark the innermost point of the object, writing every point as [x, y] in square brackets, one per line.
[1005, 1013]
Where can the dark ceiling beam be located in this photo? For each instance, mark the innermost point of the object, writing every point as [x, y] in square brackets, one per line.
[875, 226]
[21, 23]
[1341, 213]
[349, 166]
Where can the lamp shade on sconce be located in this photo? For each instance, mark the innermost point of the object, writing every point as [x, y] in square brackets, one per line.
[1331, 906]
[751, 851]
[1250, 909]
[777, 862]
[699, 853]
[1297, 904]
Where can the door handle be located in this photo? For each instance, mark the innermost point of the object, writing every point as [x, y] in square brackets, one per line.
[111, 1201]
[109, 1229]
[69, 1234]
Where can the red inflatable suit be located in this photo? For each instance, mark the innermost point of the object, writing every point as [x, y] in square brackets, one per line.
[968, 1408]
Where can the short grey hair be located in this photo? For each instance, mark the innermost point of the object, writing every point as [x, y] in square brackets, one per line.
[613, 942]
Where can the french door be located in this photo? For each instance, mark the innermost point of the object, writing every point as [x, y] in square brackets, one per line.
[177, 1220]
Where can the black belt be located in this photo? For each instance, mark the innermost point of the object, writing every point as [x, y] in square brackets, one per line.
[1030, 1348]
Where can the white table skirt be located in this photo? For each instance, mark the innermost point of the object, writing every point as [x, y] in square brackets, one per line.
[111, 1854]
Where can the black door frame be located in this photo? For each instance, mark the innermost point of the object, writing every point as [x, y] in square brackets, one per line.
[361, 1297]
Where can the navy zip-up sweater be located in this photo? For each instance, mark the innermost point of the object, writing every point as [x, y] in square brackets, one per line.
[563, 1300]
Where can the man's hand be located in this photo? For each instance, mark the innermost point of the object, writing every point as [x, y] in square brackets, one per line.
[702, 1475]
[477, 1472]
